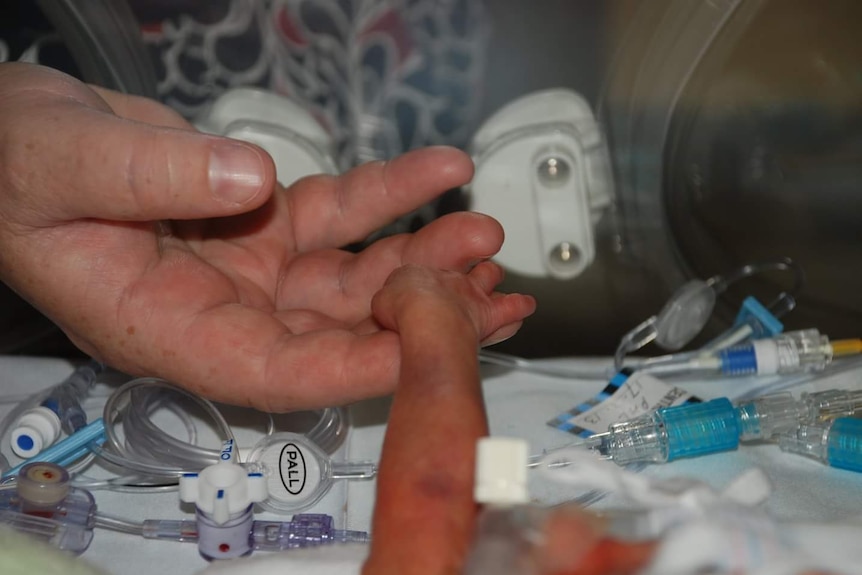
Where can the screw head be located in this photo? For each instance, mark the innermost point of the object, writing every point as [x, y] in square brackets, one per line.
[554, 171]
[565, 256]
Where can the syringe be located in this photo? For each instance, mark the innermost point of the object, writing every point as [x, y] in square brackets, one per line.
[805, 350]
[698, 429]
[837, 443]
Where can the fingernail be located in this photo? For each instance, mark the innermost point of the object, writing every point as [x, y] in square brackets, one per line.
[236, 172]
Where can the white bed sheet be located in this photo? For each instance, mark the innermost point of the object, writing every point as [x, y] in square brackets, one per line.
[519, 404]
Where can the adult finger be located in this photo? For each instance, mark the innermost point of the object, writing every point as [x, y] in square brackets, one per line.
[75, 161]
[487, 275]
[333, 211]
[142, 109]
[344, 283]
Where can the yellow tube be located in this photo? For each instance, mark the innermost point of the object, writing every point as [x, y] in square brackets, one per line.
[846, 347]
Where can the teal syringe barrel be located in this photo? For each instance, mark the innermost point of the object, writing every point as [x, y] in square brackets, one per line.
[673, 433]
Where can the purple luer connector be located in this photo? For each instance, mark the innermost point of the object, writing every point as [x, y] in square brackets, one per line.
[304, 530]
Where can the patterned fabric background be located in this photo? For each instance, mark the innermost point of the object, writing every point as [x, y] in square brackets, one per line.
[383, 76]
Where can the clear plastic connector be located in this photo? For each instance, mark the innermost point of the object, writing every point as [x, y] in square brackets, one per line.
[763, 417]
[836, 443]
[671, 433]
[304, 530]
[298, 473]
[831, 404]
[43, 505]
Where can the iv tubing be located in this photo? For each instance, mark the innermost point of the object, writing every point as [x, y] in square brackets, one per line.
[149, 450]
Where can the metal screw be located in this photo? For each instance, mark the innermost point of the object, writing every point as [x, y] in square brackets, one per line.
[565, 256]
[554, 171]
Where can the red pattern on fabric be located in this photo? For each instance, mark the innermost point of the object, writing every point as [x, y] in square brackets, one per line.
[288, 27]
[152, 28]
[391, 24]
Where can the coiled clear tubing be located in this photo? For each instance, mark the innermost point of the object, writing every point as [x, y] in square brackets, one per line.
[147, 450]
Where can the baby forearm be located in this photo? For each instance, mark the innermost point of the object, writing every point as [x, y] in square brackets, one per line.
[425, 513]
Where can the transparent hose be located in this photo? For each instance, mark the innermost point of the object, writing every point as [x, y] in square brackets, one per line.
[146, 449]
[785, 383]
[119, 524]
[603, 371]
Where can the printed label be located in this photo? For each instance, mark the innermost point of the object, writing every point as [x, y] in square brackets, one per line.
[626, 397]
[292, 468]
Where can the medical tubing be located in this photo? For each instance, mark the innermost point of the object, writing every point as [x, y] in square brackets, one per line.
[145, 439]
[67, 398]
[602, 372]
[104, 37]
[147, 449]
[118, 524]
[330, 430]
[722, 282]
[303, 530]
[784, 383]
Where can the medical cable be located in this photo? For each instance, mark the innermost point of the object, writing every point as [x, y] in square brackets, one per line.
[791, 352]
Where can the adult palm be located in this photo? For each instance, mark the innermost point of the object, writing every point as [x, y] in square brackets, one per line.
[167, 252]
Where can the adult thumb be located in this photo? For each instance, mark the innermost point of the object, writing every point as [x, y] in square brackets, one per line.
[83, 162]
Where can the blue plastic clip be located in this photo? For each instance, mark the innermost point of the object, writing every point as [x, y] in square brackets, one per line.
[761, 320]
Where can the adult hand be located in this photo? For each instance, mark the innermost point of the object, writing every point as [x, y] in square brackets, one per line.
[163, 251]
